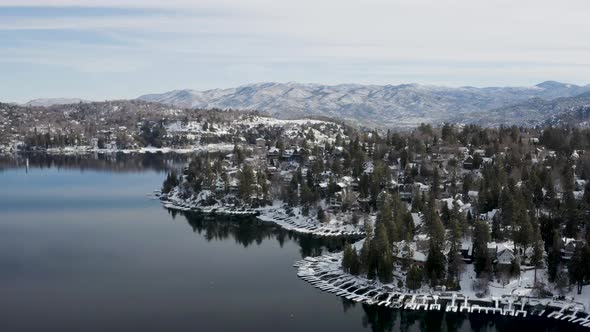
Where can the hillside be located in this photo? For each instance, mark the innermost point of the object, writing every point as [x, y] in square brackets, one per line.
[374, 105]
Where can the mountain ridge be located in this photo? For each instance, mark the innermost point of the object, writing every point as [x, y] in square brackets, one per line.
[46, 102]
[381, 105]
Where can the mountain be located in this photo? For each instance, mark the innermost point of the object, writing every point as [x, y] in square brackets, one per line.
[535, 111]
[54, 101]
[573, 112]
[381, 105]
[555, 89]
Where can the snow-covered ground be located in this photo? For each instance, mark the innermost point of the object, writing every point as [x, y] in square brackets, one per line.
[299, 223]
[196, 148]
[275, 213]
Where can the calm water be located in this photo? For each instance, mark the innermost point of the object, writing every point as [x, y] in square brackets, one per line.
[83, 249]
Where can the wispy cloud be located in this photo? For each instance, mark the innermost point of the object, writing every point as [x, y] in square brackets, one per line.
[206, 43]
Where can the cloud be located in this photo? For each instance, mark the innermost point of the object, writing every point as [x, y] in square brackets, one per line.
[470, 41]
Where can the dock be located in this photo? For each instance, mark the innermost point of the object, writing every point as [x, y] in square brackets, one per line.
[324, 273]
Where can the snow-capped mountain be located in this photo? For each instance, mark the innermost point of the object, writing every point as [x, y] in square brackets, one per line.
[384, 105]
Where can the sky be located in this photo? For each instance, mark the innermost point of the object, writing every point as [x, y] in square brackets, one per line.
[112, 49]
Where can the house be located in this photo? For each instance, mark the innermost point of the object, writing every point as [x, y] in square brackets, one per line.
[421, 187]
[405, 192]
[473, 195]
[505, 256]
[336, 201]
[488, 216]
[466, 253]
[409, 252]
[287, 155]
[569, 247]
[260, 142]
[468, 163]
[272, 154]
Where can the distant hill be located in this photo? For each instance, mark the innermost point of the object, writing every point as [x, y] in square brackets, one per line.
[535, 111]
[376, 105]
[55, 101]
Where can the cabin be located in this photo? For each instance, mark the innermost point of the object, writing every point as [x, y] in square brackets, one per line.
[505, 256]
[468, 163]
[569, 247]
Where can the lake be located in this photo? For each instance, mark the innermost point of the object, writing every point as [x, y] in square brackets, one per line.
[82, 248]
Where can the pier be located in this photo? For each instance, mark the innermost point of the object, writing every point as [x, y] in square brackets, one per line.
[324, 273]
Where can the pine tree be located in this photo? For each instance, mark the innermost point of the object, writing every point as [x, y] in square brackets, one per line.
[347, 258]
[579, 266]
[414, 278]
[481, 237]
[537, 258]
[321, 215]
[246, 180]
[170, 182]
[435, 262]
[383, 253]
[554, 257]
[354, 262]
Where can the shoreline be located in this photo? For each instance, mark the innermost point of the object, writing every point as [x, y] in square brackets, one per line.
[84, 150]
[324, 272]
[272, 214]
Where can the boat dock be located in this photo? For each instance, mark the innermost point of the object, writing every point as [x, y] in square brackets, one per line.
[324, 273]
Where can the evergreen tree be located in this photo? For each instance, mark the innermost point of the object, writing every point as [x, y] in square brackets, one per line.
[414, 277]
[579, 266]
[246, 180]
[384, 254]
[435, 262]
[481, 237]
[554, 257]
[170, 182]
[537, 258]
[321, 215]
[350, 260]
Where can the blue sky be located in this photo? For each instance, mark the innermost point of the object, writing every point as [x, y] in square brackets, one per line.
[121, 49]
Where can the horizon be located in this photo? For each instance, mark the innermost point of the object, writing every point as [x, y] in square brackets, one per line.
[123, 49]
[290, 82]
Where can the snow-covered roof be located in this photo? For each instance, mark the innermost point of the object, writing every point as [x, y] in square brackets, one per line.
[417, 219]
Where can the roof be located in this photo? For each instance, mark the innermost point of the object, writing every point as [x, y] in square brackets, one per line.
[417, 219]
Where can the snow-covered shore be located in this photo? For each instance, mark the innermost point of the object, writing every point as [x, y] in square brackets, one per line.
[275, 213]
[325, 273]
[88, 149]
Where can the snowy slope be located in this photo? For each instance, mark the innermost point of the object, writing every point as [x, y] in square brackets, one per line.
[398, 105]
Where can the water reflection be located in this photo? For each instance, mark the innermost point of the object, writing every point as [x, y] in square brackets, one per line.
[380, 319]
[88, 252]
[248, 231]
[112, 162]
